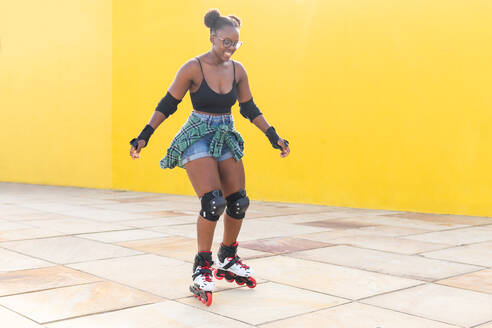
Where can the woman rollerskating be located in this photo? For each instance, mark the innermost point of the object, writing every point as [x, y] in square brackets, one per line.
[210, 149]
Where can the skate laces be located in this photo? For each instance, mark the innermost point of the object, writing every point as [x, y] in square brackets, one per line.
[206, 271]
[237, 260]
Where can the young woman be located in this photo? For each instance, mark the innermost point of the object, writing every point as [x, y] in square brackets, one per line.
[210, 149]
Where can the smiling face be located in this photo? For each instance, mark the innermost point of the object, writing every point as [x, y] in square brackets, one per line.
[228, 35]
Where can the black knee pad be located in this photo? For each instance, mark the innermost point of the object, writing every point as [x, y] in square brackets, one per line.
[237, 204]
[213, 205]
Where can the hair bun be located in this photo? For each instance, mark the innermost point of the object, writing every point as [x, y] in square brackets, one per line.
[211, 17]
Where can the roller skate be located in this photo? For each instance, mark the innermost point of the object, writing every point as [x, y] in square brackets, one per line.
[230, 267]
[203, 284]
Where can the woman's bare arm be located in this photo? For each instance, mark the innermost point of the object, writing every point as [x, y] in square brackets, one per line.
[181, 84]
[244, 95]
[178, 89]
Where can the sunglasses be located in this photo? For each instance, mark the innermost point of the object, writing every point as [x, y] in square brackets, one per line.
[229, 43]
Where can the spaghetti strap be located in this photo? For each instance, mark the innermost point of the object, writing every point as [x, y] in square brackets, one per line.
[201, 69]
[234, 76]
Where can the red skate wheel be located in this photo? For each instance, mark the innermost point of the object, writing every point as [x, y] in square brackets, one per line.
[209, 299]
[217, 277]
[252, 282]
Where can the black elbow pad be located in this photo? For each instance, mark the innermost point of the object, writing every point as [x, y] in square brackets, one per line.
[249, 110]
[168, 105]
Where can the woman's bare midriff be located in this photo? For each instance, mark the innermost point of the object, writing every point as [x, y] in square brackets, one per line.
[213, 114]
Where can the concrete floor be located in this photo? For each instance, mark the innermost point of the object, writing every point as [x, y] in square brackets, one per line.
[87, 258]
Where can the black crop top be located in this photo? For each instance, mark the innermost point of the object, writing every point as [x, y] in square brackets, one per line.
[209, 101]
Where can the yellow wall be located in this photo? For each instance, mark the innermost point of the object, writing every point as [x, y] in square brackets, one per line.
[55, 92]
[386, 103]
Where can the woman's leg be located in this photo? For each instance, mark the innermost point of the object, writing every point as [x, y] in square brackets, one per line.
[229, 265]
[232, 180]
[204, 176]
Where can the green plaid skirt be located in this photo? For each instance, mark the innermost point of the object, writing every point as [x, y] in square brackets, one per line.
[224, 135]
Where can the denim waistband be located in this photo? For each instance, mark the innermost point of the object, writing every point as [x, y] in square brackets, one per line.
[217, 119]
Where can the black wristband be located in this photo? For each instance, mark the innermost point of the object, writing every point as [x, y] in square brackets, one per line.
[273, 137]
[144, 135]
[134, 143]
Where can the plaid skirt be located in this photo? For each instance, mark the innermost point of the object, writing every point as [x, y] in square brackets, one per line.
[196, 127]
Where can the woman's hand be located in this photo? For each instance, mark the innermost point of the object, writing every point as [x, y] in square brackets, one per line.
[285, 147]
[135, 153]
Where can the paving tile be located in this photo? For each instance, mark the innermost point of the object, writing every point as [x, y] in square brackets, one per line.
[67, 302]
[176, 247]
[326, 278]
[67, 249]
[250, 230]
[413, 267]
[133, 208]
[369, 211]
[165, 226]
[136, 199]
[30, 233]
[389, 244]
[87, 212]
[10, 319]
[257, 210]
[37, 215]
[258, 204]
[168, 314]
[389, 231]
[478, 254]
[166, 213]
[447, 304]
[15, 213]
[480, 281]
[282, 244]
[158, 275]
[12, 261]
[74, 226]
[407, 223]
[300, 210]
[458, 219]
[266, 302]
[377, 230]
[24, 281]
[337, 224]
[143, 209]
[124, 235]
[356, 315]
[7, 210]
[7, 226]
[182, 248]
[156, 222]
[457, 236]
[310, 217]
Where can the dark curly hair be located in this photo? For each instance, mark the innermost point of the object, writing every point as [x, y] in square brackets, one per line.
[215, 21]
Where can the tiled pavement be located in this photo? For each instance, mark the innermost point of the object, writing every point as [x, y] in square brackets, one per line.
[87, 258]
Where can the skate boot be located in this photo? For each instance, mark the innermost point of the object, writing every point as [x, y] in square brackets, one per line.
[203, 284]
[229, 266]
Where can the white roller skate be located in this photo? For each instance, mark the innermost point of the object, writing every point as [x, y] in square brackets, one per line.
[229, 266]
[203, 283]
